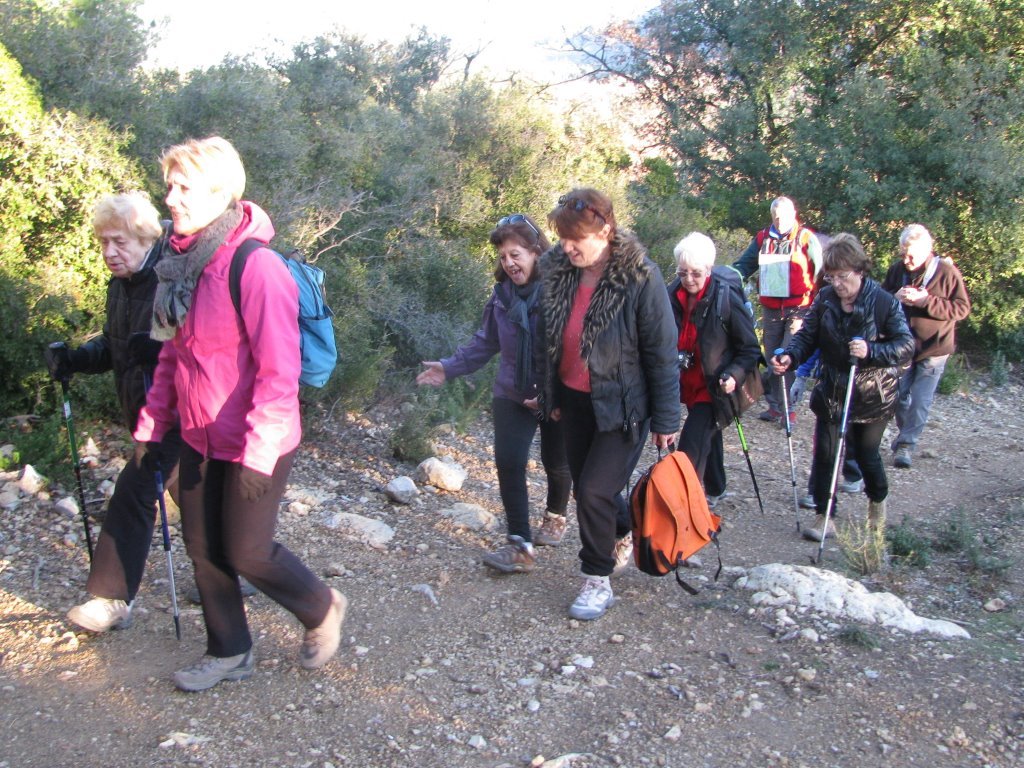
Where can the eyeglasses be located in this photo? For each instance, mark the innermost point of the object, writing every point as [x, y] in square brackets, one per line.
[517, 218]
[576, 204]
[839, 277]
[693, 274]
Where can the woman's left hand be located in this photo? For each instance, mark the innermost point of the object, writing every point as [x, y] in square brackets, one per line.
[662, 442]
[858, 348]
[728, 384]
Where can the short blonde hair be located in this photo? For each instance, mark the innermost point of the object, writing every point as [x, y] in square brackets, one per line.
[212, 159]
[130, 211]
[695, 250]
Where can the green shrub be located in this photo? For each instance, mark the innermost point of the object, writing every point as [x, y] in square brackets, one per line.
[999, 370]
[907, 547]
[954, 377]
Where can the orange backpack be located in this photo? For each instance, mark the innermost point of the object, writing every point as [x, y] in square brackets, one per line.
[671, 519]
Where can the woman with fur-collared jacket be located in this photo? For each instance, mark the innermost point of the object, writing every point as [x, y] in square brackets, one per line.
[852, 317]
[612, 375]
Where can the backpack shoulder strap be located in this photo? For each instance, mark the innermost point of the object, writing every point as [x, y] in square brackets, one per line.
[237, 267]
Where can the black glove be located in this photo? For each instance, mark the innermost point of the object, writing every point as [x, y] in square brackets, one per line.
[149, 455]
[253, 484]
[58, 361]
[143, 350]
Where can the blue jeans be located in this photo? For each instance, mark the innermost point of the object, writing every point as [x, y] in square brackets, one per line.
[917, 391]
[780, 325]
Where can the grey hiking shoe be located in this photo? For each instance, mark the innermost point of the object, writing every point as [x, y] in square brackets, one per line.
[516, 556]
[902, 458]
[593, 600]
[101, 614]
[850, 486]
[807, 501]
[552, 530]
[623, 553]
[210, 670]
[321, 643]
[713, 500]
[248, 590]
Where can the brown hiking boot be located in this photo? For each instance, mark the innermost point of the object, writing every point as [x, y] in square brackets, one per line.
[876, 514]
[552, 530]
[817, 531]
[514, 557]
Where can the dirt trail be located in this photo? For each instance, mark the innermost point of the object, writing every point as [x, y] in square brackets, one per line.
[495, 674]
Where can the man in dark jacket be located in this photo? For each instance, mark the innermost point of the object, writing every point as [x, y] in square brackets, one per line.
[129, 231]
[933, 296]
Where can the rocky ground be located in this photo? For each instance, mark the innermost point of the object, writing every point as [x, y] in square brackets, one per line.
[444, 664]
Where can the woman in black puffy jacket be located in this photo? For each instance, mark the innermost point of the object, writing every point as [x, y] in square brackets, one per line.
[852, 318]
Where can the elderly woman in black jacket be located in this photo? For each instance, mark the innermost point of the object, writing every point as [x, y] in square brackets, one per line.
[611, 376]
[852, 317]
[718, 350]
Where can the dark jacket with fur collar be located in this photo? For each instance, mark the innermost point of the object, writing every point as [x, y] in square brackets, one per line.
[629, 338]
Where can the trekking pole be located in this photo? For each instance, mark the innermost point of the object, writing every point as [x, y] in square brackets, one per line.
[840, 445]
[69, 422]
[746, 451]
[789, 440]
[158, 476]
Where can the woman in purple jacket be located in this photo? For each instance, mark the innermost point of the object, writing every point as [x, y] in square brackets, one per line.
[509, 327]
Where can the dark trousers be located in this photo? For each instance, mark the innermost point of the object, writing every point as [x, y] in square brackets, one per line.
[863, 440]
[701, 441]
[227, 536]
[514, 428]
[127, 533]
[600, 464]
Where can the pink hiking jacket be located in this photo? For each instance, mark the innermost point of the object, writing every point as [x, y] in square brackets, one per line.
[234, 381]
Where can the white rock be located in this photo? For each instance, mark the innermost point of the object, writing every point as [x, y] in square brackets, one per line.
[9, 497]
[809, 635]
[373, 533]
[673, 734]
[829, 592]
[107, 488]
[90, 449]
[446, 475]
[402, 489]
[425, 589]
[532, 705]
[476, 741]
[68, 507]
[471, 516]
[7, 451]
[995, 605]
[31, 482]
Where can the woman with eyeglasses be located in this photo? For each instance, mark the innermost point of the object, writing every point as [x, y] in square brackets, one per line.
[612, 375]
[509, 329]
[718, 351]
[852, 319]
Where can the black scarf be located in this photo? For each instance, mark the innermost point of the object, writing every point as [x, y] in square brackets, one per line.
[523, 298]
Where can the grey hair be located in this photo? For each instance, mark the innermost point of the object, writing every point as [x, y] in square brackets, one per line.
[695, 250]
[782, 200]
[914, 232]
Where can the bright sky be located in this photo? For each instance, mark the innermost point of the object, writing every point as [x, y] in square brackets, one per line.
[514, 36]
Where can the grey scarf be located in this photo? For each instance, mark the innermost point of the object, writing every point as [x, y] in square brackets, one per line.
[179, 272]
[523, 300]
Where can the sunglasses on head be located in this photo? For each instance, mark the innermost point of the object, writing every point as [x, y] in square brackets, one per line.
[517, 218]
[576, 204]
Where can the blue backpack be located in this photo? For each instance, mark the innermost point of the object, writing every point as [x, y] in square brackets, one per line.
[316, 331]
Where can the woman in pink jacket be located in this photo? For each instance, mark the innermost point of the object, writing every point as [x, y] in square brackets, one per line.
[232, 378]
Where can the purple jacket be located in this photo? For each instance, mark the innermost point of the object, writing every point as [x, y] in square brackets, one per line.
[496, 334]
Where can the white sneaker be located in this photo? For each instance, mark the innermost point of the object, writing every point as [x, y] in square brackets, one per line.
[101, 614]
[623, 554]
[593, 600]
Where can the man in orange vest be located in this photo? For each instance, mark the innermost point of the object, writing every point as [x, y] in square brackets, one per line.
[786, 257]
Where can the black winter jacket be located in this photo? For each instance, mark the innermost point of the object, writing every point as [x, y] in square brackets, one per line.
[827, 327]
[728, 345]
[629, 338]
[129, 311]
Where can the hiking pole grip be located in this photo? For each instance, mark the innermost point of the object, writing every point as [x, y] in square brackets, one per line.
[76, 463]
